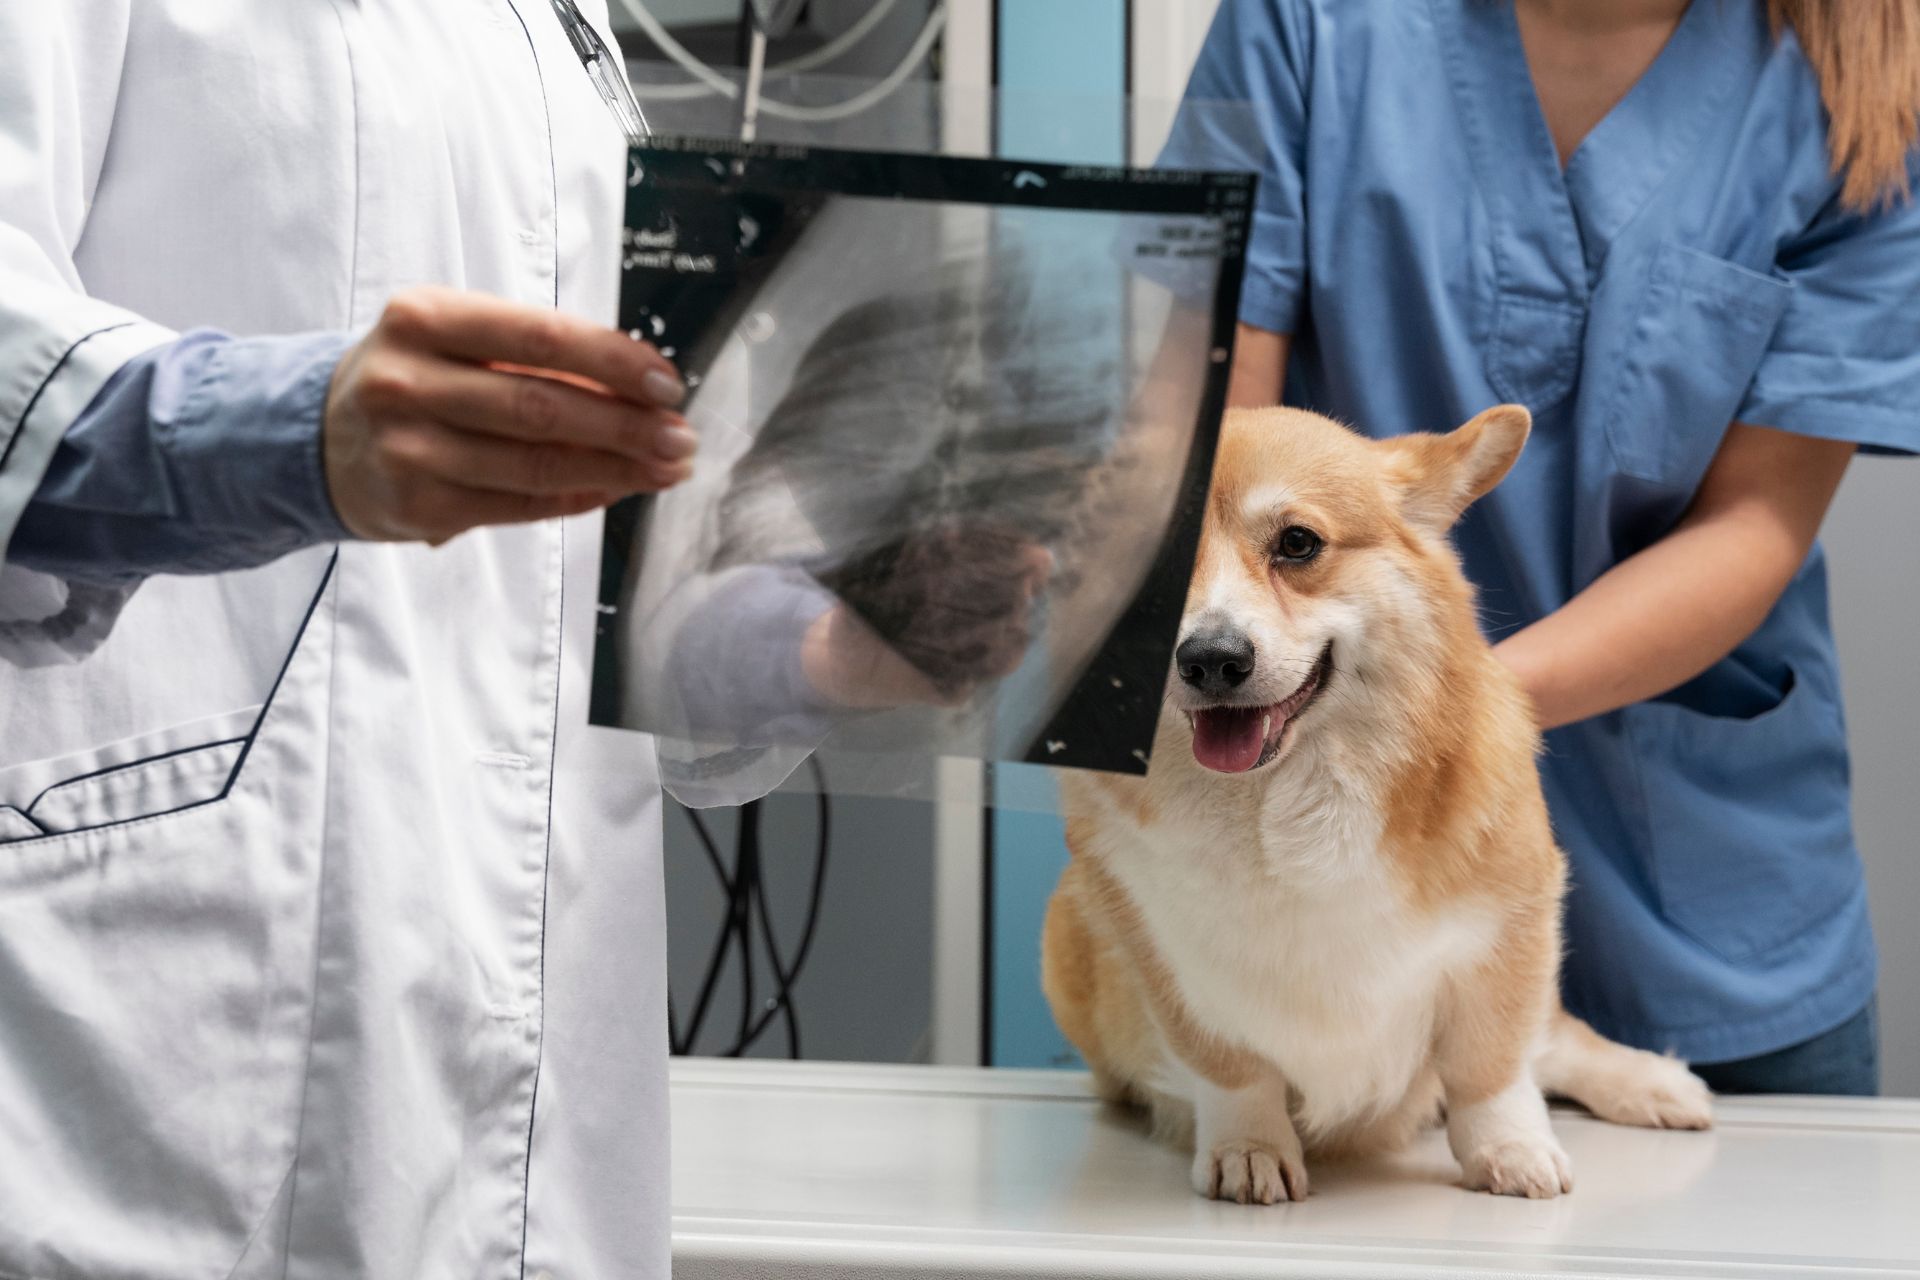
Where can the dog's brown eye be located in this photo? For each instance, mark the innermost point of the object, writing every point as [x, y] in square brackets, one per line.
[1299, 543]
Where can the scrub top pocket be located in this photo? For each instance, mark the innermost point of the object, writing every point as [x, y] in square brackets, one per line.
[1702, 327]
[1746, 878]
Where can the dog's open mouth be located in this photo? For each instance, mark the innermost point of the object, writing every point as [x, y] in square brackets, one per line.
[1241, 739]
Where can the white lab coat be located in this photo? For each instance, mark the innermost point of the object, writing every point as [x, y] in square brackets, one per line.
[389, 999]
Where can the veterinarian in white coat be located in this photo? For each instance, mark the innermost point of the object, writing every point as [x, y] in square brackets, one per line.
[331, 938]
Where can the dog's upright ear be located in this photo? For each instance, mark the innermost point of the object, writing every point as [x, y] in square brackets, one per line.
[1439, 476]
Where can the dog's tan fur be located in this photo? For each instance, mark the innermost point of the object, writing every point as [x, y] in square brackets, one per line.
[1318, 954]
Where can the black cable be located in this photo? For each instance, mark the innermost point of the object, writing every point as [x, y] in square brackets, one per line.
[789, 975]
[782, 1002]
[819, 867]
[746, 873]
[716, 962]
[737, 889]
[712, 850]
[745, 893]
[784, 975]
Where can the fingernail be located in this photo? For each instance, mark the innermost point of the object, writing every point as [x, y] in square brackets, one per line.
[663, 388]
[675, 443]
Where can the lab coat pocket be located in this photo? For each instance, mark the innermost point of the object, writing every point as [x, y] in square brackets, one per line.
[1700, 330]
[151, 783]
[156, 980]
[1746, 818]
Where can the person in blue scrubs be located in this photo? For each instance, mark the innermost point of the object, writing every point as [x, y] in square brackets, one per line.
[1625, 216]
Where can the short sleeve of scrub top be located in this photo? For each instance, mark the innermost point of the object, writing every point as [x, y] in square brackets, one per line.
[1845, 362]
[1690, 266]
[1254, 55]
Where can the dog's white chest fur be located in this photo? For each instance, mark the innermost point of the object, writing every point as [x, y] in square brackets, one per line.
[1286, 932]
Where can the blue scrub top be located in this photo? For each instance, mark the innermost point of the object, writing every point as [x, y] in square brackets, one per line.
[1691, 267]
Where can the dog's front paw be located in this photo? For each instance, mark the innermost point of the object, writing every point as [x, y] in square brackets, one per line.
[1250, 1172]
[1532, 1167]
[1659, 1093]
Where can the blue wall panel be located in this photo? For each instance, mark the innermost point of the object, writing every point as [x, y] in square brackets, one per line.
[1062, 81]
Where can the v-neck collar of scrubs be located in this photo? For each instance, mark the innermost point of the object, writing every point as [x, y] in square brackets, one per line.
[1554, 225]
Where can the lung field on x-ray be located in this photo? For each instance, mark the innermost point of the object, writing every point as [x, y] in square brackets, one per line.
[928, 439]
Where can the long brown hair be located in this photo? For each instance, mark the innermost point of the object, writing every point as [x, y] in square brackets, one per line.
[1867, 56]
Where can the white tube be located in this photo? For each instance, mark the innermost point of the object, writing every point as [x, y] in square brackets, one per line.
[712, 81]
[756, 65]
[922, 46]
[826, 53]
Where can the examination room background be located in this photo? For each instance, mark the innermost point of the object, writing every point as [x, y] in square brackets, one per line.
[870, 990]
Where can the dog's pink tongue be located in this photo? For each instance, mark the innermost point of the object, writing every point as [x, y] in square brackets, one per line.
[1229, 739]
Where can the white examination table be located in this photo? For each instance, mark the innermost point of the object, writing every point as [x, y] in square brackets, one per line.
[818, 1171]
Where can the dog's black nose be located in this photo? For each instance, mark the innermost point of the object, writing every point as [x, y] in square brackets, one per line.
[1215, 661]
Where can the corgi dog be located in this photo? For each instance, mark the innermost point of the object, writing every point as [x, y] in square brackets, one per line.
[1330, 913]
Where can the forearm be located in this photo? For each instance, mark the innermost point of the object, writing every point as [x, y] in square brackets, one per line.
[1666, 614]
[1259, 368]
[1654, 621]
[197, 457]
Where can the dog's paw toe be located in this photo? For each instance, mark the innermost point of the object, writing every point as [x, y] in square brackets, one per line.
[1538, 1170]
[1249, 1172]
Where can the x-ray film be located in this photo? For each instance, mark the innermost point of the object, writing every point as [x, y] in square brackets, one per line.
[957, 419]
